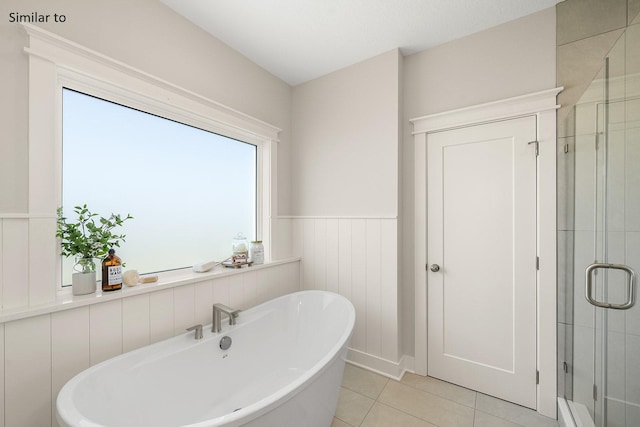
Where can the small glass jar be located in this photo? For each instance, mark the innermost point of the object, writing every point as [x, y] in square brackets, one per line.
[240, 249]
[257, 252]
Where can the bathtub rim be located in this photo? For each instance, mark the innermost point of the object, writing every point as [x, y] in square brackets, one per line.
[282, 395]
[244, 415]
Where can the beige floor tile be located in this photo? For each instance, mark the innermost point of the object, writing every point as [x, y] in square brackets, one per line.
[441, 388]
[352, 407]
[339, 423]
[426, 406]
[386, 416]
[485, 420]
[362, 381]
[512, 412]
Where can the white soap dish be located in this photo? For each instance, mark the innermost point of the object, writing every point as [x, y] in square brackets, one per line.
[202, 267]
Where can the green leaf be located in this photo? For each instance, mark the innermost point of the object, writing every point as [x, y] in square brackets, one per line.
[85, 239]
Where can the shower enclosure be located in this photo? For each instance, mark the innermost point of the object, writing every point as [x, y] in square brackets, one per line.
[599, 244]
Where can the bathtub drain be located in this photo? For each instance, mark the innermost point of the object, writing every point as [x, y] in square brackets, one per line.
[225, 342]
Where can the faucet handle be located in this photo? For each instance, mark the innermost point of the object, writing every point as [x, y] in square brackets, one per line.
[198, 329]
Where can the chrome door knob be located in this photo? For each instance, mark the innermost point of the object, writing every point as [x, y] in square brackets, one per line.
[435, 268]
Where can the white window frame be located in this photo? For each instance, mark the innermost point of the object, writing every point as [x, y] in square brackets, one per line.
[55, 63]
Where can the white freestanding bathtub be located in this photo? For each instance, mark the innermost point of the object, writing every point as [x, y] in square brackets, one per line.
[284, 368]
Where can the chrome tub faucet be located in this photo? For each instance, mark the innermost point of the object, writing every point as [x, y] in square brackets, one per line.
[218, 309]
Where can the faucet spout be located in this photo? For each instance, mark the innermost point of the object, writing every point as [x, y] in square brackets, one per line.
[218, 309]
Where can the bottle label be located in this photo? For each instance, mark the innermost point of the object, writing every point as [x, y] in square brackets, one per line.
[115, 275]
[257, 253]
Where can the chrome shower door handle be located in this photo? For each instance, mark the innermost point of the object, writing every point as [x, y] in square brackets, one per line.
[631, 285]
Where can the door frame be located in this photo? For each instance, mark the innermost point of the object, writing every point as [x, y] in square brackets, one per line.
[543, 106]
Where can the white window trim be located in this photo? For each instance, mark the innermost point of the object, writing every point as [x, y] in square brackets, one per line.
[55, 62]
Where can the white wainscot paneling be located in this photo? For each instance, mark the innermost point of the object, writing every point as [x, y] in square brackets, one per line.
[268, 285]
[28, 372]
[297, 237]
[389, 310]
[184, 308]
[359, 282]
[332, 248]
[374, 304]
[70, 353]
[105, 320]
[250, 287]
[236, 292]
[264, 282]
[319, 259]
[356, 257]
[42, 260]
[344, 261]
[308, 254]
[221, 290]
[161, 315]
[135, 322]
[204, 301]
[291, 277]
[15, 262]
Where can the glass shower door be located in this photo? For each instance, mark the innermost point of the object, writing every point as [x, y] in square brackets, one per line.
[610, 281]
[599, 235]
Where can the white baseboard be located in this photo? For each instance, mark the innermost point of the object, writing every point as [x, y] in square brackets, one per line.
[388, 368]
[564, 414]
[581, 415]
[572, 414]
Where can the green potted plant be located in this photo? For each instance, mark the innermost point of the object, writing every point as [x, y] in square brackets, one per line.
[87, 240]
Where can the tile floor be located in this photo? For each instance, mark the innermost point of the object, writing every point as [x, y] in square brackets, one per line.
[371, 400]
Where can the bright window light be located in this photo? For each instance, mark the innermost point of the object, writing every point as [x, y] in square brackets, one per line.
[190, 191]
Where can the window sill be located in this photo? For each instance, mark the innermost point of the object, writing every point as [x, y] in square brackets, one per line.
[172, 279]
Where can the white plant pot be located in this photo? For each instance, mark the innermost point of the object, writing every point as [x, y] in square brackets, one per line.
[83, 283]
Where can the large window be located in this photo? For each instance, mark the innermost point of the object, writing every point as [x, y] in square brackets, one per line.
[190, 191]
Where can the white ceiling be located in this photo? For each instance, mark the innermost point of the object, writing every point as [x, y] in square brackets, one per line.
[299, 40]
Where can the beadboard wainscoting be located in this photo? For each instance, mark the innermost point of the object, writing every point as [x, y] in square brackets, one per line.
[27, 260]
[39, 354]
[357, 257]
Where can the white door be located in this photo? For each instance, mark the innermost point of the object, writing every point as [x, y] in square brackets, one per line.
[482, 236]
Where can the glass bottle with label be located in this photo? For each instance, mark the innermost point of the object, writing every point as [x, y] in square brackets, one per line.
[256, 252]
[111, 272]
